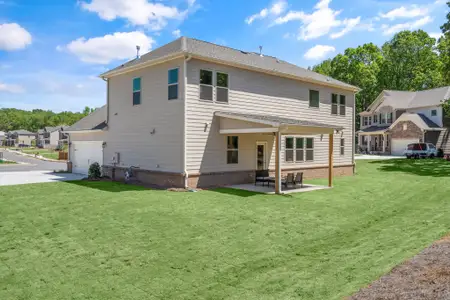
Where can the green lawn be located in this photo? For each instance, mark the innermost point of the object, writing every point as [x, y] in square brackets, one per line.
[98, 240]
[6, 162]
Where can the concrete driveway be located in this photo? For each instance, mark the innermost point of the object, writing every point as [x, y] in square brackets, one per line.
[32, 170]
[15, 178]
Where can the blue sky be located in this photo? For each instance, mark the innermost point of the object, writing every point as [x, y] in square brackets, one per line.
[51, 51]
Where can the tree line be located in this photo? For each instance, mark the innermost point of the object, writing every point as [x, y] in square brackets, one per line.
[410, 61]
[14, 119]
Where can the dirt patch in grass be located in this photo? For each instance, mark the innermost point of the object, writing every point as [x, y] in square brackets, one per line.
[426, 276]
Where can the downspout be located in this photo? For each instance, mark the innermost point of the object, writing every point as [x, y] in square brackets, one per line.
[185, 172]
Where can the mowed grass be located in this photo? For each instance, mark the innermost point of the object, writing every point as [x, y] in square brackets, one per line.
[99, 240]
[47, 153]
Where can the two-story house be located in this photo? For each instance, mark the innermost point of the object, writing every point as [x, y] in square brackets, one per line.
[20, 137]
[196, 114]
[398, 118]
[51, 137]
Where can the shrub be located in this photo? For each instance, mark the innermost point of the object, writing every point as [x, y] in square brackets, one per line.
[94, 171]
[440, 153]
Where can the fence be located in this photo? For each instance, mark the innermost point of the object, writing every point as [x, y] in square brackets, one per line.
[63, 155]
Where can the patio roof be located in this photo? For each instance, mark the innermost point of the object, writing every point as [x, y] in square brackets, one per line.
[276, 123]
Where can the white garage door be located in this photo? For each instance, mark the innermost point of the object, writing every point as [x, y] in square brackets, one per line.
[399, 146]
[84, 154]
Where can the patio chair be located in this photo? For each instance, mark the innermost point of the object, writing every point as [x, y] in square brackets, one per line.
[261, 176]
[289, 180]
[299, 179]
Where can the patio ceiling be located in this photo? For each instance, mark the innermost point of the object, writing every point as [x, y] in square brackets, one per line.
[271, 124]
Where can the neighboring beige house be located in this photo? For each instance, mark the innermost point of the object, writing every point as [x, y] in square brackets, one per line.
[20, 137]
[397, 118]
[196, 114]
[86, 138]
[51, 137]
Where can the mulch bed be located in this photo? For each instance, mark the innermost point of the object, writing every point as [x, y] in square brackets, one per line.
[425, 276]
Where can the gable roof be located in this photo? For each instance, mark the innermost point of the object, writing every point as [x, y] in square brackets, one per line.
[22, 132]
[96, 120]
[419, 119]
[406, 100]
[242, 59]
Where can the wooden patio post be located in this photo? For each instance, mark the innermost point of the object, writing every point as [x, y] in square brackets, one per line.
[330, 160]
[277, 163]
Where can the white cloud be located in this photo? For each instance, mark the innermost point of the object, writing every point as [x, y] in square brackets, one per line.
[176, 33]
[137, 12]
[13, 37]
[389, 30]
[11, 88]
[320, 22]
[412, 11]
[117, 46]
[350, 24]
[319, 52]
[435, 35]
[276, 9]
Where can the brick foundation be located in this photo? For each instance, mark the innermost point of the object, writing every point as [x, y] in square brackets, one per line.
[230, 178]
[217, 179]
[156, 178]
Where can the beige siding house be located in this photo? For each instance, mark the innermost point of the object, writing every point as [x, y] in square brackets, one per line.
[196, 114]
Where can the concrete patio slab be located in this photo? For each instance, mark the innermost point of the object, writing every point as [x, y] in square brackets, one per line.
[271, 189]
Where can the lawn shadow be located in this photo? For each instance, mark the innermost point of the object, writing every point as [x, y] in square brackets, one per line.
[236, 192]
[421, 167]
[108, 186]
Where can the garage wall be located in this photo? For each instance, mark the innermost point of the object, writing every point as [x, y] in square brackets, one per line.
[88, 136]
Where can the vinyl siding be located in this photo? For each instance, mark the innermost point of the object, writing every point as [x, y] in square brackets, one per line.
[427, 113]
[54, 138]
[130, 128]
[257, 93]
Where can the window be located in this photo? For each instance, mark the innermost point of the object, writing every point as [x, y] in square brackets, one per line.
[365, 121]
[389, 118]
[382, 118]
[136, 91]
[206, 85]
[405, 126]
[342, 105]
[299, 149]
[313, 98]
[232, 149]
[309, 149]
[334, 104]
[370, 120]
[289, 152]
[342, 146]
[375, 118]
[434, 113]
[221, 87]
[173, 84]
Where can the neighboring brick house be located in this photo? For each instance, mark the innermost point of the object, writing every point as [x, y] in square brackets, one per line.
[398, 118]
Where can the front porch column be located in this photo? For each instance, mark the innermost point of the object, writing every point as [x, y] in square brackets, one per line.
[384, 143]
[369, 144]
[278, 163]
[330, 160]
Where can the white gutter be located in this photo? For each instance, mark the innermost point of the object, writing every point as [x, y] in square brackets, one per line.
[185, 172]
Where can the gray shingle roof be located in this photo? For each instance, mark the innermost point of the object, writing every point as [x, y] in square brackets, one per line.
[374, 128]
[22, 132]
[94, 121]
[427, 121]
[405, 99]
[277, 121]
[219, 53]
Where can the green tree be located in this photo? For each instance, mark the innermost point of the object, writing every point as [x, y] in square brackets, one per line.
[444, 48]
[411, 62]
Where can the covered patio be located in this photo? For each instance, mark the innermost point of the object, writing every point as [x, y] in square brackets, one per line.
[234, 123]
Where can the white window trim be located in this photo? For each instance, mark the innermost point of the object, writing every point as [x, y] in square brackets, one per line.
[341, 147]
[309, 99]
[338, 105]
[140, 90]
[177, 83]
[435, 112]
[236, 150]
[265, 154]
[211, 85]
[220, 87]
[294, 149]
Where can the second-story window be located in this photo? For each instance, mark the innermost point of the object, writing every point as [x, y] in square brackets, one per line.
[375, 118]
[206, 85]
[389, 117]
[334, 104]
[365, 121]
[370, 120]
[382, 119]
[434, 113]
[137, 91]
[221, 87]
[173, 84]
[314, 98]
